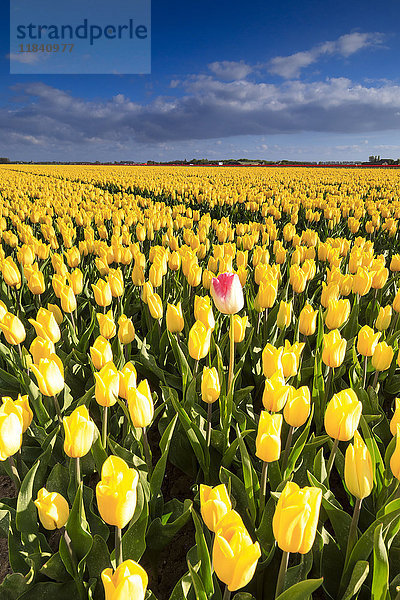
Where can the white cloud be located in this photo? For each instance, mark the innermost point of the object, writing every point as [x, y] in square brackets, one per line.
[230, 70]
[289, 67]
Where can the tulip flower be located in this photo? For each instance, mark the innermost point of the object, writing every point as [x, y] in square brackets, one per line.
[384, 318]
[284, 315]
[116, 282]
[199, 340]
[11, 429]
[116, 492]
[129, 581]
[297, 279]
[46, 325]
[174, 318]
[49, 373]
[362, 281]
[291, 358]
[329, 292]
[21, 408]
[79, 432]
[358, 472]
[11, 273]
[268, 440]
[235, 556]
[107, 385]
[13, 329]
[297, 407]
[36, 283]
[106, 324]
[382, 356]
[334, 349]
[140, 404]
[76, 281]
[395, 458]
[337, 313]
[214, 504]
[210, 386]
[101, 352]
[53, 509]
[239, 328]
[308, 320]
[59, 317]
[267, 293]
[396, 417]
[367, 340]
[296, 518]
[102, 293]
[275, 393]
[342, 415]
[68, 299]
[203, 311]
[126, 330]
[271, 360]
[154, 303]
[227, 293]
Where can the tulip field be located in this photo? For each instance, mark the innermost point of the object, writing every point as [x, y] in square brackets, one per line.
[234, 329]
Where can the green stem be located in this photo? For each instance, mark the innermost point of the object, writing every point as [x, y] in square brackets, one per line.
[375, 380]
[231, 356]
[365, 371]
[287, 448]
[227, 594]
[282, 574]
[263, 487]
[353, 529]
[15, 474]
[104, 429]
[118, 546]
[78, 471]
[332, 458]
[146, 450]
[58, 409]
[209, 414]
[328, 385]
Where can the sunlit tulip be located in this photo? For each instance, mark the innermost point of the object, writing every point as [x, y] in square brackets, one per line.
[101, 352]
[116, 282]
[396, 417]
[203, 311]
[140, 404]
[275, 393]
[382, 356]
[21, 408]
[239, 328]
[174, 318]
[41, 348]
[296, 518]
[154, 303]
[227, 293]
[13, 329]
[210, 386]
[53, 509]
[126, 330]
[59, 317]
[107, 385]
[11, 273]
[342, 415]
[308, 320]
[271, 360]
[76, 281]
[129, 581]
[337, 313]
[395, 458]
[362, 281]
[297, 407]
[79, 432]
[127, 380]
[102, 293]
[68, 299]
[284, 316]
[199, 340]
[235, 556]
[116, 492]
[36, 283]
[268, 440]
[367, 341]
[358, 472]
[291, 358]
[46, 325]
[333, 349]
[214, 504]
[49, 373]
[106, 324]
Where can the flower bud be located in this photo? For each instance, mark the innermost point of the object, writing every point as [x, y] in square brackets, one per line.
[68, 299]
[338, 312]
[53, 509]
[174, 318]
[41, 348]
[284, 316]
[11, 429]
[127, 380]
[395, 458]
[239, 328]
[275, 393]
[59, 317]
[342, 415]
[203, 311]
[79, 432]
[102, 293]
[271, 360]
[291, 358]
[76, 281]
[116, 492]
[46, 325]
[396, 417]
[235, 556]
[13, 329]
[154, 303]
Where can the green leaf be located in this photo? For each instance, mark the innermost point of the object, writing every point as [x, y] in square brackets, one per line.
[380, 577]
[359, 575]
[133, 540]
[197, 584]
[180, 359]
[205, 572]
[55, 569]
[161, 533]
[98, 558]
[77, 527]
[298, 446]
[50, 591]
[157, 476]
[249, 477]
[13, 586]
[26, 519]
[301, 591]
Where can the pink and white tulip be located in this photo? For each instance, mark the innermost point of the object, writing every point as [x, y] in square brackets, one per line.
[227, 293]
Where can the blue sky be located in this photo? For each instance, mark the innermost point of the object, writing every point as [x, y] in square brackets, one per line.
[301, 81]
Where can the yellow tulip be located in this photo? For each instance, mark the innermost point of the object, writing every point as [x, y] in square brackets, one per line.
[199, 340]
[308, 320]
[46, 325]
[128, 582]
[53, 509]
[154, 303]
[140, 404]
[174, 318]
[126, 330]
[297, 407]
[21, 407]
[106, 324]
[11, 273]
[268, 440]
[333, 349]
[13, 329]
[338, 312]
[127, 380]
[116, 282]
[367, 341]
[384, 318]
[116, 492]
[210, 386]
[101, 352]
[396, 417]
[395, 458]
[239, 328]
[235, 556]
[79, 432]
[36, 283]
[59, 317]
[275, 393]
[107, 385]
[342, 415]
[362, 281]
[76, 281]
[214, 504]
[203, 311]
[291, 358]
[102, 293]
[41, 348]
[11, 429]
[382, 356]
[358, 472]
[296, 518]
[49, 373]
